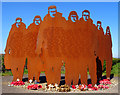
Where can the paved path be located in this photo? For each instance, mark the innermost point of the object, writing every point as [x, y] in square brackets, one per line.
[6, 89]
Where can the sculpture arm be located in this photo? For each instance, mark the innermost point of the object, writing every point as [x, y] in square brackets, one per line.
[110, 41]
[39, 43]
[95, 40]
[8, 40]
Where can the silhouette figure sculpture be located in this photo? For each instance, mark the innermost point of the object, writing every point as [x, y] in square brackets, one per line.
[108, 51]
[49, 44]
[88, 47]
[14, 51]
[34, 64]
[70, 49]
[101, 43]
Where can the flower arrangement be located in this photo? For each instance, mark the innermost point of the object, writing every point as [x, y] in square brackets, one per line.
[73, 87]
[34, 87]
[104, 84]
[82, 87]
[64, 88]
[103, 87]
[17, 83]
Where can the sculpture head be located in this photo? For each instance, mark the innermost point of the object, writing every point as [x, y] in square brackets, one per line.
[73, 16]
[52, 10]
[86, 15]
[98, 25]
[108, 30]
[18, 21]
[37, 20]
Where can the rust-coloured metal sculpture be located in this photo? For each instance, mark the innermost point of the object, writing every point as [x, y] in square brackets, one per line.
[101, 49]
[49, 36]
[101, 44]
[70, 49]
[48, 43]
[34, 64]
[88, 43]
[108, 51]
[14, 52]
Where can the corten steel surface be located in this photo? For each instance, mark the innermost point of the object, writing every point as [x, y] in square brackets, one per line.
[49, 40]
[70, 48]
[49, 43]
[14, 51]
[34, 64]
[101, 49]
[108, 51]
[88, 42]
[101, 43]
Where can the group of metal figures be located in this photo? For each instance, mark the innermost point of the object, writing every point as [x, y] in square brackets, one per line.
[49, 43]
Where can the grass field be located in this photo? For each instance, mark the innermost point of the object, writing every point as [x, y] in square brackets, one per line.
[115, 68]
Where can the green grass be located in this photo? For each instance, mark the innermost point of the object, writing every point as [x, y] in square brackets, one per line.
[7, 73]
[115, 67]
[25, 71]
[115, 70]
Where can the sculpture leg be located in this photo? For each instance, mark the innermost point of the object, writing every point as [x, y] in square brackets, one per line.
[49, 76]
[92, 70]
[68, 78]
[37, 74]
[68, 72]
[75, 70]
[49, 70]
[75, 78]
[30, 66]
[82, 66]
[58, 70]
[39, 65]
[21, 62]
[15, 73]
[57, 75]
[53, 70]
[84, 76]
[15, 67]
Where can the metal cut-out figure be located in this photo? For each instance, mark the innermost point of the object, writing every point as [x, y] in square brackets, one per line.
[49, 43]
[34, 64]
[108, 51]
[101, 47]
[88, 47]
[70, 49]
[14, 51]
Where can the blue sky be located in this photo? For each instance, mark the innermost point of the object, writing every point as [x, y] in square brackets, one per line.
[107, 12]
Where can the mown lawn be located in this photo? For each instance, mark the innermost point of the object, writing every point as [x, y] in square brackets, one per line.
[115, 67]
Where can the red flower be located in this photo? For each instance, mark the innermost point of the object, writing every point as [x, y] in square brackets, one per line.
[105, 81]
[106, 87]
[90, 86]
[103, 87]
[34, 87]
[18, 83]
[101, 82]
[94, 88]
[73, 87]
